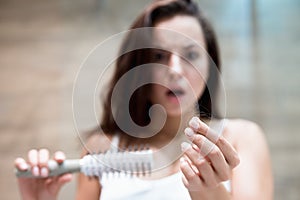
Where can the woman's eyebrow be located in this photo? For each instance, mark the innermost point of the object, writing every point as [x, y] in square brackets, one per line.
[189, 46]
[159, 47]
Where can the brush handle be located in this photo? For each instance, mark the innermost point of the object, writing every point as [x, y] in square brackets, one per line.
[55, 169]
[136, 162]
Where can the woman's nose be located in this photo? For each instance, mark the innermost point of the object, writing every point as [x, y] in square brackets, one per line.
[175, 64]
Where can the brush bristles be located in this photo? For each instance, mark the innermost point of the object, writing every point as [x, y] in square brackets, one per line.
[134, 163]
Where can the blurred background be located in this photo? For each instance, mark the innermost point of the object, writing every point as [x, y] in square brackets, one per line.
[43, 43]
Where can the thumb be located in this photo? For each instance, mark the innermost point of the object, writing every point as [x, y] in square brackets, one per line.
[64, 179]
[59, 156]
[54, 184]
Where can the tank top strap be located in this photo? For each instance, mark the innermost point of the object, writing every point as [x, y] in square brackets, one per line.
[114, 143]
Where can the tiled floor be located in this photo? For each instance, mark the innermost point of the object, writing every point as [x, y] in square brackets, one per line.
[42, 44]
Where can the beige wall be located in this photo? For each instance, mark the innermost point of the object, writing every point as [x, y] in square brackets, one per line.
[43, 43]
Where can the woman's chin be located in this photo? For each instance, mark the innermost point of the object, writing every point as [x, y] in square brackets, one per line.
[174, 113]
[179, 111]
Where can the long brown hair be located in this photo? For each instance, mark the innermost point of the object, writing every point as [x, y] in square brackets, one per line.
[139, 104]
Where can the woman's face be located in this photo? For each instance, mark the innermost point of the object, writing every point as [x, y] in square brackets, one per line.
[183, 69]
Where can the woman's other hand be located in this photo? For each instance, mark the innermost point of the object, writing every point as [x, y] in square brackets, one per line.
[209, 160]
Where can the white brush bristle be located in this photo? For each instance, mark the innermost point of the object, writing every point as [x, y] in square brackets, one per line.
[137, 163]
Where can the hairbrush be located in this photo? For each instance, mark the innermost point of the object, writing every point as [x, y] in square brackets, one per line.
[136, 162]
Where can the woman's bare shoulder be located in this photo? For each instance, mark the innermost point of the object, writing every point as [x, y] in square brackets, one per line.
[242, 125]
[96, 141]
[241, 132]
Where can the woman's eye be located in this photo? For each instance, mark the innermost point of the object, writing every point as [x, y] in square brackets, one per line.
[192, 55]
[160, 56]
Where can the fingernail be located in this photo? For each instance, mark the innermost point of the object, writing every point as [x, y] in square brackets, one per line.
[183, 162]
[59, 158]
[194, 123]
[200, 158]
[182, 159]
[35, 171]
[23, 166]
[185, 146]
[44, 172]
[189, 132]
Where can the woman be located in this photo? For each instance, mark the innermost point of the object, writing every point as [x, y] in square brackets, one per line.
[232, 164]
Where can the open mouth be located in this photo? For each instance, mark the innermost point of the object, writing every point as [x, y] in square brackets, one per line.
[175, 93]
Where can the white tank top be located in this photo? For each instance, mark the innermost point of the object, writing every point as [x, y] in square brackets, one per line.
[125, 187]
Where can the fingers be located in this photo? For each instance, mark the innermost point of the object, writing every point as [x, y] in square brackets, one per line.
[204, 167]
[59, 156]
[43, 157]
[200, 127]
[203, 144]
[190, 178]
[64, 179]
[21, 164]
[59, 180]
[38, 160]
[212, 155]
[219, 164]
[33, 161]
[43, 162]
[210, 140]
[229, 152]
